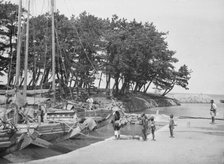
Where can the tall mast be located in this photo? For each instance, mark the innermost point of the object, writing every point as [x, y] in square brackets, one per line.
[15, 118]
[18, 45]
[26, 54]
[53, 50]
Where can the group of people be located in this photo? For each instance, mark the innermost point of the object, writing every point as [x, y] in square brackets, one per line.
[148, 125]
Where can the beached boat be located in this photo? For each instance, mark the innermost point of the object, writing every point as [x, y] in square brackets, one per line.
[7, 139]
[58, 126]
[20, 135]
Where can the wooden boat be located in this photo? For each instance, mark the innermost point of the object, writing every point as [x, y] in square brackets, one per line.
[11, 139]
[60, 125]
[59, 128]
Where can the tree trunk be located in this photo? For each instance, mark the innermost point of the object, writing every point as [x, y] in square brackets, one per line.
[45, 77]
[100, 79]
[167, 90]
[147, 86]
[10, 57]
[125, 87]
[136, 87]
[116, 89]
[108, 77]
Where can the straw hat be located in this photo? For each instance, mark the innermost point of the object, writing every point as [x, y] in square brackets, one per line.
[115, 108]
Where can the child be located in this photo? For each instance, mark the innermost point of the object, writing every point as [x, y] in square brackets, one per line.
[153, 128]
[171, 126]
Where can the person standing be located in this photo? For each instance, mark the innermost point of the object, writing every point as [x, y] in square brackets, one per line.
[213, 111]
[90, 101]
[116, 124]
[171, 126]
[145, 126]
[40, 114]
[152, 127]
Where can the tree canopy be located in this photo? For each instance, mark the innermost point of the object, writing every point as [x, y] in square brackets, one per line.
[134, 54]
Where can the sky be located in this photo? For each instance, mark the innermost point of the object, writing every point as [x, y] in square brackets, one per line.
[195, 31]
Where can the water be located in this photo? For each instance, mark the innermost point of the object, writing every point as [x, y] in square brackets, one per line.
[192, 110]
[34, 152]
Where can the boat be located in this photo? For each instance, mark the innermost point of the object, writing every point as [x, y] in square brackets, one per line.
[14, 135]
[222, 101]
[8, 139]
[59, 124]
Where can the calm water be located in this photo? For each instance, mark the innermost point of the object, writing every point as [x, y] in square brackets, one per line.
[194, 110]
[34, 152]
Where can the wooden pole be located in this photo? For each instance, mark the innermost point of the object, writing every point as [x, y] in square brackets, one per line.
[18, 60]
[18, 46]
[26, 54]
[53, 50]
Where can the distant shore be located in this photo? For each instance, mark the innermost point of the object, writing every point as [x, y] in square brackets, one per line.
[140, 101]
[195, 97]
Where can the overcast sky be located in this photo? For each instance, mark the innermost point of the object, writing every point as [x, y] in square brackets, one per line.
[195, 31]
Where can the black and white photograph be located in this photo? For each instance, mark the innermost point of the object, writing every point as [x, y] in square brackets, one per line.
[112, 82]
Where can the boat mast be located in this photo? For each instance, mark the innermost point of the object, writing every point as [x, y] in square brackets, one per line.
[26, 54]
[53, 50]
[18, 46]
[15, 118]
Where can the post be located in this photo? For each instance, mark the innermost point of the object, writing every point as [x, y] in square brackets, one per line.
[18, 45]
[26, 54]
[18, 59]
[53, 51]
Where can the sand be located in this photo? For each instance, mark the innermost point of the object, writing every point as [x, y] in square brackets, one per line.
[196, 141]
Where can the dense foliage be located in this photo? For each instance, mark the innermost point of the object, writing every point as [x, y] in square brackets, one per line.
[133, 54]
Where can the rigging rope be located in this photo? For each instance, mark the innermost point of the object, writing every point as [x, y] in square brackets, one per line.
[59, 47]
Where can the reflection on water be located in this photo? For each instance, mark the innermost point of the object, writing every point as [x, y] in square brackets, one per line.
[34, 152]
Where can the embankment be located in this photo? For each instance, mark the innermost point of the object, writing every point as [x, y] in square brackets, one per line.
[139, 102]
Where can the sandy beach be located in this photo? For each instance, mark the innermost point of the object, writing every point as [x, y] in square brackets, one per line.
[196, 141]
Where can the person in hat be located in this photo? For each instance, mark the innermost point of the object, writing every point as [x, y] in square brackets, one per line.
[213, 111]
[116, 124]
[40, 114]
[145, 126]
[90, 103]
